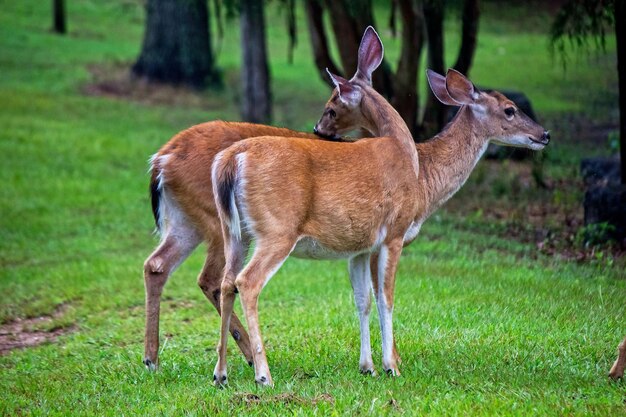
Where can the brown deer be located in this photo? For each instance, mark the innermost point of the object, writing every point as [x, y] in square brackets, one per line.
[328, 208]
[617, 370]
[361, 201]
[446, 161]
[185, 215]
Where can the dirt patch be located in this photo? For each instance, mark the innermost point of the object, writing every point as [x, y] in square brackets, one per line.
[23, 333]
[116, 81]
[285, 398]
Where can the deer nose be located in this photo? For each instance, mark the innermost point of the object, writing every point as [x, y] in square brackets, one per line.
[546, 136]
[315, 130]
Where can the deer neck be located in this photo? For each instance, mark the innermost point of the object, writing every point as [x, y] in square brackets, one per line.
[385, 121]
[447, 160]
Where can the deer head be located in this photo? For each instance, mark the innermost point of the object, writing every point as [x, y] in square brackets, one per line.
[342, 112]
[501, 121]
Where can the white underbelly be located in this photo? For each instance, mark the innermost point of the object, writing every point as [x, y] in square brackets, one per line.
[309, 248]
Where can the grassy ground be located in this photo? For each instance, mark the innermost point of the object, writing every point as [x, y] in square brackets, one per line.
[485, 324]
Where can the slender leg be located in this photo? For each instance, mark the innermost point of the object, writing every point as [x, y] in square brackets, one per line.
[235, 257]
[172, 251]
[361, 287]
[617, 371]
[267, 259]
[375, 280]
[388, 258]
[210, 281]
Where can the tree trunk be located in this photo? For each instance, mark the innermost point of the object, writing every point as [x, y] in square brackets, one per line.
[405, 97]
[469, 37]
[255, 78]
[347, 35]
[58, 12]
[176, 47]
[435, 111]
[620, 36]
[319, 42]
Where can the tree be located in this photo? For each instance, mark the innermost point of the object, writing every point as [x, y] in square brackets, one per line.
[177, 44]
[58, 16]
[580, 20]
[256, 104]
[349, 18]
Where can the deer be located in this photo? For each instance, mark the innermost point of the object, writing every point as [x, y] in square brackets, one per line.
[446, 160]
[185, 216]
[329, 209]
[333, 209]
[617, 370]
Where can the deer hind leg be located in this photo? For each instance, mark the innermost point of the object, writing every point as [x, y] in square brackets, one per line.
[375, 285]
[617, 371]
[267, 259]
[235, 258]
[172, 251]
[361, 287]
[210, 281]
[388, 258]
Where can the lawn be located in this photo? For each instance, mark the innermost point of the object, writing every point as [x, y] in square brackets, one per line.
[486, 324]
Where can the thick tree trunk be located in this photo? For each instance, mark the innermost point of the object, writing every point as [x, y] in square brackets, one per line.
[255, 78]
[620, 35]
[319, 42]
[435, 111]
[58, 16]
[347, 35]
[469, 37]
[176, 47]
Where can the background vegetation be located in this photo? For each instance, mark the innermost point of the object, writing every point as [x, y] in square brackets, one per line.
[500, 308]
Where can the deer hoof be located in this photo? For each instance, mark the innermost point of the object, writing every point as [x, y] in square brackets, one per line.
[151, 366]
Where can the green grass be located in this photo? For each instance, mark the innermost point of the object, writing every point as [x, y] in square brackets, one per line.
[484, 324]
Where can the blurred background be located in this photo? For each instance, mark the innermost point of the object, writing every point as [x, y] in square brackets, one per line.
[264, 61]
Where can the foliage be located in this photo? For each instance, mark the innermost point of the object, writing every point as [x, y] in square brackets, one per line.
[580, 21]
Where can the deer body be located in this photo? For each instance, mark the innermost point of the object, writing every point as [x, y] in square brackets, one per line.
[185, 213]
[344, 200]
[617, 370]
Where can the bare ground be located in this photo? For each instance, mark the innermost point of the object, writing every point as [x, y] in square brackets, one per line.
[29, 332]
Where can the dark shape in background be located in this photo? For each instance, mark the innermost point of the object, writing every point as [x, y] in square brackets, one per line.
[177, 44]
[256, 102]
[58, 17]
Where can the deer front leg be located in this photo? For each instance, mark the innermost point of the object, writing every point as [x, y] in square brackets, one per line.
[361, 287]
[375, 281]
[210, 281]
[388, 258]
[617, 371]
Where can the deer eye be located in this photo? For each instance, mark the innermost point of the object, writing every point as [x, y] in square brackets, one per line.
[509, 111]
[332, 113]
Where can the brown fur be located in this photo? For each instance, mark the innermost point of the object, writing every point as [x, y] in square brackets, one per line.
[617, 370]
[290, 189]
[187, 176]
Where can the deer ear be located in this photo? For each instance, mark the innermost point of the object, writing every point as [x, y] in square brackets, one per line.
[460, 88]
[371, 53]
[438, 86]
[348, 93]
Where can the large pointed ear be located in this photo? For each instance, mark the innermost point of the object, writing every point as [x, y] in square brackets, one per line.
[438, 86]
[348, 93]
[371, 53]
[460, 88]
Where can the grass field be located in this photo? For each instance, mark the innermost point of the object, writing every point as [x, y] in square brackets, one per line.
[485, 324]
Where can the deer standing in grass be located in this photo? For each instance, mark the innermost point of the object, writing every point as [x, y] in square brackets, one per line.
[319, 200]
[617, 370]
[362, 201]
[185, 214]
